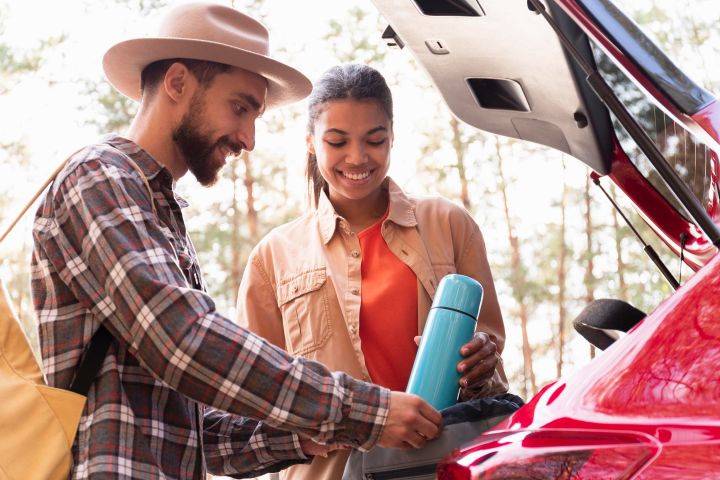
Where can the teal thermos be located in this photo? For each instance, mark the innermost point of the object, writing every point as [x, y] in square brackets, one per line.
[449, 326]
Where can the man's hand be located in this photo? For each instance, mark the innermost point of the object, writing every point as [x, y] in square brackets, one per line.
[411, 422]
[479, 362]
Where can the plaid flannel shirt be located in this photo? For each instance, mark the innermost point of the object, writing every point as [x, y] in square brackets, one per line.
[182, 388]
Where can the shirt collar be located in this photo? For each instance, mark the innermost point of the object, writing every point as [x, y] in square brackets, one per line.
[402, 210]
[147, 163]
[327, 217]
[150, 167]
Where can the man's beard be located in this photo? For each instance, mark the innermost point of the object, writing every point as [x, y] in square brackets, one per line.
[197, 147]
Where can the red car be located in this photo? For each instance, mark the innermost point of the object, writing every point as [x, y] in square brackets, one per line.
[581, 77]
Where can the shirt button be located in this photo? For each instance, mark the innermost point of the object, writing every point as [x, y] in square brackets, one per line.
[355, 253]
[353, 329]
[355, 291]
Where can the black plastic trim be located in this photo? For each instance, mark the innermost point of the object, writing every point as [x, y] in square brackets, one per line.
[450, 8]
[626, 35]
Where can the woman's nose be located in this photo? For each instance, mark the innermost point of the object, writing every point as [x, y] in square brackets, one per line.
[357, 155]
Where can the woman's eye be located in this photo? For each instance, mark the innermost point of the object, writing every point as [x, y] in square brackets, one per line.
[335, 144]
[376, 143]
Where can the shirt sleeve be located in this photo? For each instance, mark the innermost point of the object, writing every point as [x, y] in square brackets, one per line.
[114, 255]
[241, 447]
[473, 262]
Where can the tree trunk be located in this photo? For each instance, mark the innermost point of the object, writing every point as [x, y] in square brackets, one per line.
[589, 278]
[236, 266]
[620, 263]
[517, 280]
[697, 42]
[252, 215]
[562, 276]
[460, 149]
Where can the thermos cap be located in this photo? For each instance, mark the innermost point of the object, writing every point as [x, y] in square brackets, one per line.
[459, 292]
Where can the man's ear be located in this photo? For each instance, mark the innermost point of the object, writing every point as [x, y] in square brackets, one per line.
[309, 142]
[177, 80]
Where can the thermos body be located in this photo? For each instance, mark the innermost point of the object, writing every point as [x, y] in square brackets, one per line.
[450, 324]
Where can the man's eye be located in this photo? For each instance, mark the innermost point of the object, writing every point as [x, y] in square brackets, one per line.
[239, 108]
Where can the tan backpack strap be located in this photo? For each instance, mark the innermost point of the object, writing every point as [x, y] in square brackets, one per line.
[34, 197]
[145, 181]
[52, 177]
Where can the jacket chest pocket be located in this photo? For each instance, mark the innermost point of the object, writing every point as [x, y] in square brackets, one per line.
[303, 301]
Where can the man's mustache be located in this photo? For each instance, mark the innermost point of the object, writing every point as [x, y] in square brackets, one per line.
[235, 147]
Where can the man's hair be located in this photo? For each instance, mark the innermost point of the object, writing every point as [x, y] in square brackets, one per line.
[204, 71]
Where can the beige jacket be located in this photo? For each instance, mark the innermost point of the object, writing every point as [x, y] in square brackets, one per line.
[301, 287]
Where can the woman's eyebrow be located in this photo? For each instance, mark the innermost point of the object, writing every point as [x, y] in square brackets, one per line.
[336, 130]
[369, 132]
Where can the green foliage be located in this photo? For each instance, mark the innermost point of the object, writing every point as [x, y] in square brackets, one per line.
[115, 110]
[15, 62]
[143, 7]
[356, 38]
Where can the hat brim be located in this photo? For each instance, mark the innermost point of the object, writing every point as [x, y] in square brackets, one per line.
[124, 62]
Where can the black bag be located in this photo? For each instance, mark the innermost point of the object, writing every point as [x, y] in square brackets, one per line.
[462, 423]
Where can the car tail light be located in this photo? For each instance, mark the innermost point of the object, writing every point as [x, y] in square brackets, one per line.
[551, 454]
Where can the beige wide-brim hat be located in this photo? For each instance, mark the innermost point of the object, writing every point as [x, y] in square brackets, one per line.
[204, 31]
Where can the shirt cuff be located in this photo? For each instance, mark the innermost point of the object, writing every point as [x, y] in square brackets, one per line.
[383, 410]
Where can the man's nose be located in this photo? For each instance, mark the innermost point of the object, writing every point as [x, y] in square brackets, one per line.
[246, 136]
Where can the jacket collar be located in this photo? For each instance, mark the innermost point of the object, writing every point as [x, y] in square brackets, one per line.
[402, 211]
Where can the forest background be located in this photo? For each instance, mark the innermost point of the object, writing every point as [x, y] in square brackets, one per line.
[554, 242]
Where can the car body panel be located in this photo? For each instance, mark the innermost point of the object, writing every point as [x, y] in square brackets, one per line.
[660, 380]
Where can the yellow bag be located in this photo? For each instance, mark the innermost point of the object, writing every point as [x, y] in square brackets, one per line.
[38, 423]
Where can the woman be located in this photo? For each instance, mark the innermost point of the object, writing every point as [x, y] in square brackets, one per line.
[350, 283]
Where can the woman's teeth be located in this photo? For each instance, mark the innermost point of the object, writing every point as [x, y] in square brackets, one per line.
[355, 176]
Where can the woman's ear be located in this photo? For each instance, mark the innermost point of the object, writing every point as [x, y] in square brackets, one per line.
[310, 144]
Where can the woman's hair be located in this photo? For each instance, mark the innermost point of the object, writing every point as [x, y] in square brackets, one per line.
[347, 81]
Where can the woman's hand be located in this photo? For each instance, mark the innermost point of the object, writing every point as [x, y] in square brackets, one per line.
[479, 360]
[478, 364]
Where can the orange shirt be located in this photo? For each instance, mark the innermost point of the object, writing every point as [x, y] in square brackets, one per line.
[388, 311]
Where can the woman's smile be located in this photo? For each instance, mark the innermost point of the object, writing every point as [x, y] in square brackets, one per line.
[355, 176]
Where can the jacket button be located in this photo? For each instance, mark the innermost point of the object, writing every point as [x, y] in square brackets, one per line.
[355, 253]
[355, 291]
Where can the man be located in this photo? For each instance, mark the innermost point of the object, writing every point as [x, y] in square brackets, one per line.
[180, 383]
